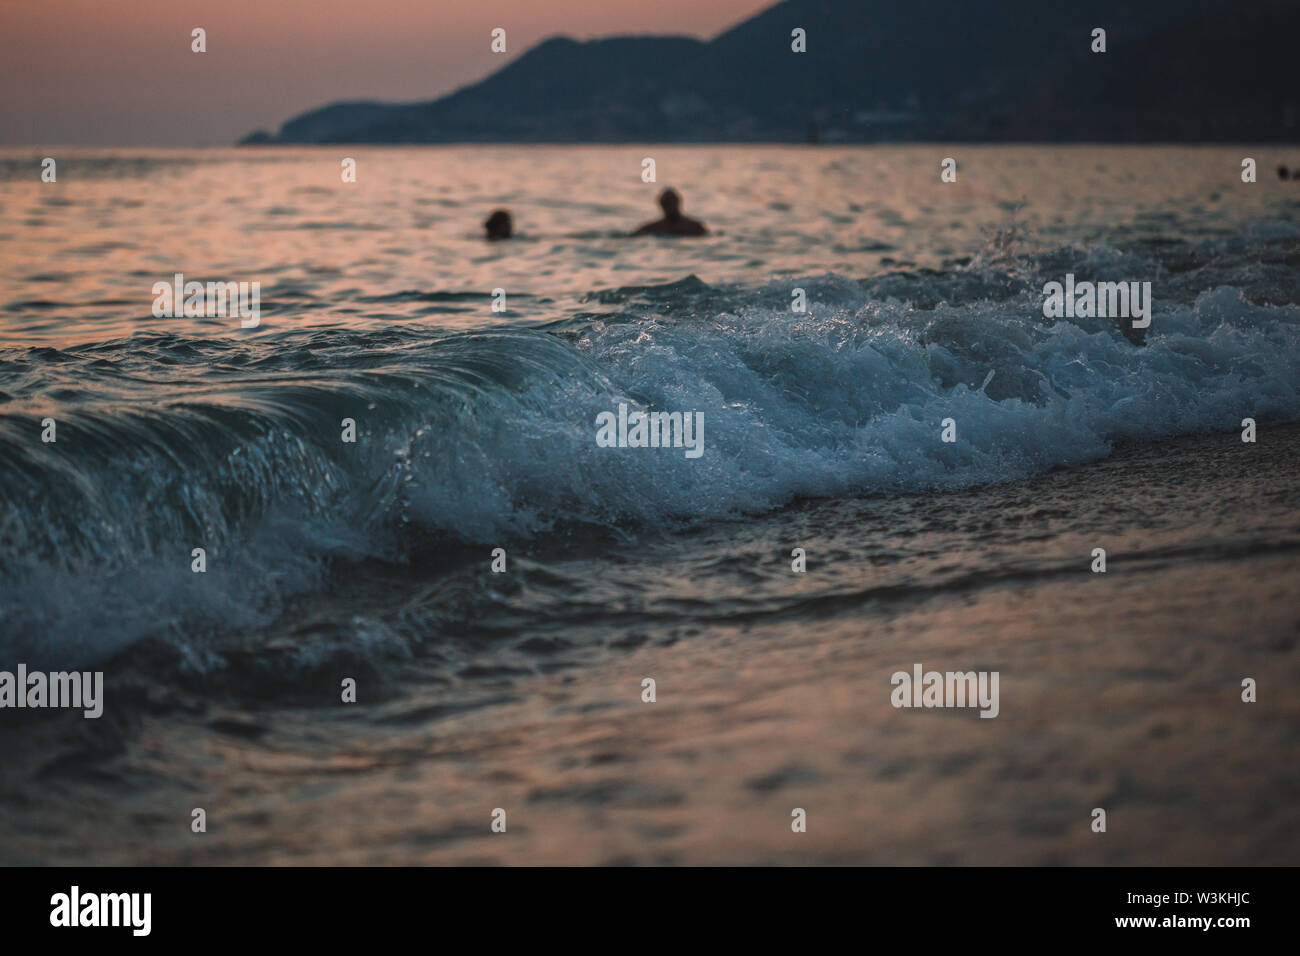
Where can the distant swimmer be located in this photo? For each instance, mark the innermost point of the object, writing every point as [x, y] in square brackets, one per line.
[673, 223]
[499, 226]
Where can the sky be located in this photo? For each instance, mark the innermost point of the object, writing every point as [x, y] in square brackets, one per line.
[121, 72]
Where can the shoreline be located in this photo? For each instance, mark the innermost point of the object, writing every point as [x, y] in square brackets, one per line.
[1118, 691]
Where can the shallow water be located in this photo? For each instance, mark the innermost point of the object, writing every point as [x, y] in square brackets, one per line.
[476, 431]
[523, 692]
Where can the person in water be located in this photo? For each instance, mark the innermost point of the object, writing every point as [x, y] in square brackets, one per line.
[499, 226]
[673, 223]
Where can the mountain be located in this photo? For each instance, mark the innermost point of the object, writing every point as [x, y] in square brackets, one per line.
[1016, 70]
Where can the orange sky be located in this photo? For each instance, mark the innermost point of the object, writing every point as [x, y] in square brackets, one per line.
[120, 72]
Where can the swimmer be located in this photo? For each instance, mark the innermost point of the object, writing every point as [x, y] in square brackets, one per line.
[498, 226]
[673, 223]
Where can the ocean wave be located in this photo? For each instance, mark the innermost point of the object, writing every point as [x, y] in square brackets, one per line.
[166, 444]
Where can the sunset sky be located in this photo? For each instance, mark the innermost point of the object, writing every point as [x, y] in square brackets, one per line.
[121, 73]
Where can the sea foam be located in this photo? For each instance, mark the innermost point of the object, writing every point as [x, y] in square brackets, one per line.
[489, 437]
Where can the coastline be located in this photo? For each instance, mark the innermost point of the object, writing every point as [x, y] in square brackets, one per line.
[1118, 690]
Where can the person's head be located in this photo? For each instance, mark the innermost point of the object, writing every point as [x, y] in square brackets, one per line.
[498, 225]
[670, 203]
[1281, 172]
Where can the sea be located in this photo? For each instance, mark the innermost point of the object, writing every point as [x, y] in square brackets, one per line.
[360, 575]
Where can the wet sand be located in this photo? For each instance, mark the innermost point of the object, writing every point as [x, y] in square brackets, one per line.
[1118, 690]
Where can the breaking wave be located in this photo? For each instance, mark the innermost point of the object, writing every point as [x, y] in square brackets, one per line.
[167, 443]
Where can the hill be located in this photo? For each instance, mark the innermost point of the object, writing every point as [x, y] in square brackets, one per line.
[1019, 70]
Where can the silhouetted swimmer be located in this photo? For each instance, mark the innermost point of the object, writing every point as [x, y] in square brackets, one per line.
[499, 226]
[1281, 172]
[673, 223]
